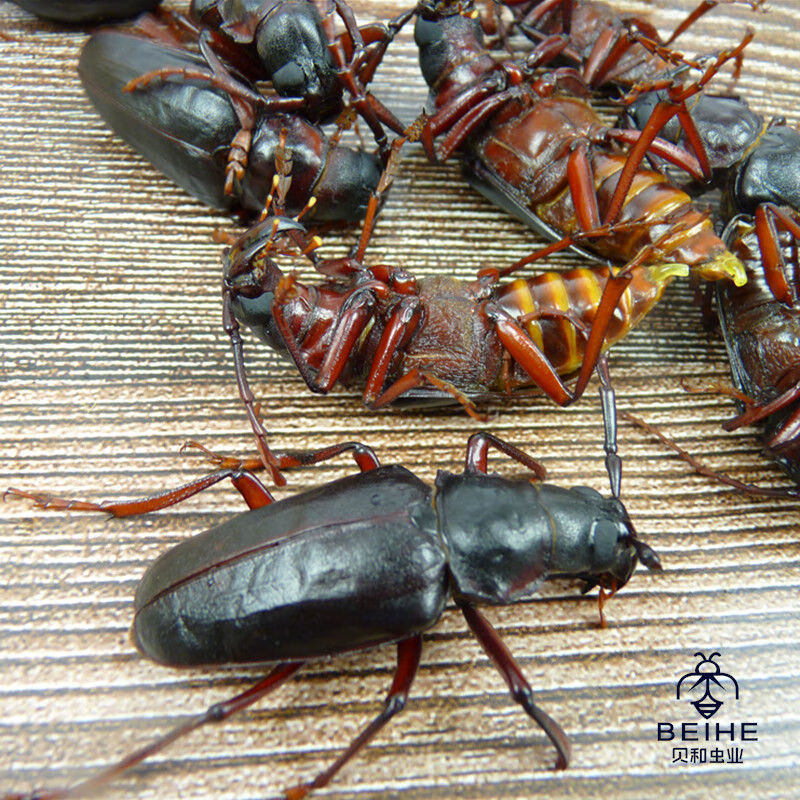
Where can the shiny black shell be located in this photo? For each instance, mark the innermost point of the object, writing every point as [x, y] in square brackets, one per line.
[505, 537]
[770, 173]
[185, 129]
[86, 10]
[727, 126]
[352, 564]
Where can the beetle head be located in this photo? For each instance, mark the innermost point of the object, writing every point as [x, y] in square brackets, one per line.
[616, 549]
[251, 275]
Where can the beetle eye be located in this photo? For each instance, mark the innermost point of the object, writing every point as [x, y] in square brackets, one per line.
[290, 79]
[605, 535]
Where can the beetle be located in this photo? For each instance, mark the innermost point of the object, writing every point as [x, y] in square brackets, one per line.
[286, 43]
[84, 11]
[290, 44]
[434, 340]
[535, 146]
[756, 164]
[185, 128]
[380, 551]
[611, 49]
[762, 333]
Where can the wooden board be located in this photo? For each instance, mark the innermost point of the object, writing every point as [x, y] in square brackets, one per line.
[113, 355]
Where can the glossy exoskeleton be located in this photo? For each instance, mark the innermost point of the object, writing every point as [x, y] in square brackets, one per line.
[363, 561]
[83, 11]
[286, 42]
[606, 45]
[185, 129]
[536, 146]
[289, 43]
[762, 333]
[432, 340]
[757, 166]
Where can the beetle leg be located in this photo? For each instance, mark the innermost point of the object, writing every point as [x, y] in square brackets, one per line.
[582, 188]
[530, 357]
[215, 713]
[538, 9]
[767, 218]
[231, 326]
[758, 413]
[253, 491]
[466, 121]
[662, 113]
[520, 689]
[400, 326]
[609, 47]
[661, 148]
[408, 656]
[414, 378]
[363, 455]
[478, 450]
[702, 469]
[374, 113]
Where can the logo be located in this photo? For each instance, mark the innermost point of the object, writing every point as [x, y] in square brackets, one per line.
[723, 741]
[707, 678]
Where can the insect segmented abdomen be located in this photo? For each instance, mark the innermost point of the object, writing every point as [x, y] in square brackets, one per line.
[528, 151]
[557, 309]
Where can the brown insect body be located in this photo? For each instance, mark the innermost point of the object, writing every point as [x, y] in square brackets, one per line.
[539, 149]
[527, 151]
[456, 339]
[762, 336]
[592, 23]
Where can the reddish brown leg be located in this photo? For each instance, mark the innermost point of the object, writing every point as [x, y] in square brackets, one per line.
[528, 355]
[581, 185]
[758, 413]
[415, 378]
[478, 452]
[538, 10]
[703, 469]
[253, 491]
[231, 326]
[348, 329]
[662, 113]
[768, 217]
[363, 455]
[399, 328]
[374, 113]
[216, 713]
[675, 105]
[610, 46]
[662, 149]
[520, 689]
[460, 118]
[408, 656]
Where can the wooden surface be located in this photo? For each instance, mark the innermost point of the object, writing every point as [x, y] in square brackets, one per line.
[113, 355]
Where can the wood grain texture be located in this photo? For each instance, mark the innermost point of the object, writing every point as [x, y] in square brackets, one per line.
[113, 355]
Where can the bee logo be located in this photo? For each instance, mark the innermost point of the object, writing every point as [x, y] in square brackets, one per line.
[707, 676]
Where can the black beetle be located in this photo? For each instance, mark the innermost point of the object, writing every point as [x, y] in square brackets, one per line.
[290, 44]
[185, 128]
[365, 560]
[86, 10]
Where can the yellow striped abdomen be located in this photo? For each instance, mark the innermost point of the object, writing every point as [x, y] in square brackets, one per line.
[554, 308]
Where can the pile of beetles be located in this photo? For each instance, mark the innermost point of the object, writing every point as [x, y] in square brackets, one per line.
[245, 103]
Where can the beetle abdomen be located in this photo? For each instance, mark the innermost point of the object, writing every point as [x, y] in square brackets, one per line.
[353, 564]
